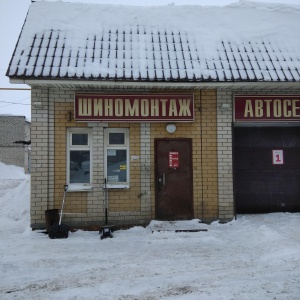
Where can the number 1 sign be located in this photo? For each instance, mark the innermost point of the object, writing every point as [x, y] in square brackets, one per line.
[277, 157]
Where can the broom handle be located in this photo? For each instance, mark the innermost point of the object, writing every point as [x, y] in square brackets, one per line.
[63, 203]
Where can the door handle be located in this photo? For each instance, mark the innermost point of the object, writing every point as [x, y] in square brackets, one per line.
[164, 179]
[161, 181]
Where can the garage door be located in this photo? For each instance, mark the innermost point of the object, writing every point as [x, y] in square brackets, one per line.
[266, 181]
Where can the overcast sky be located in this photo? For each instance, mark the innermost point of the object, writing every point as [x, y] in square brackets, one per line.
[12, 16]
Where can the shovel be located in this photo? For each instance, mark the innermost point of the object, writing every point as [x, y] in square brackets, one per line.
[58, 230]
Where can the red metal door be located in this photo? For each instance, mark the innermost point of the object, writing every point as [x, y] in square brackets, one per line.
[174, 182]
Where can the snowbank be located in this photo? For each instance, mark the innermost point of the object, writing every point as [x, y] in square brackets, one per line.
[14, 198]
[11, 172]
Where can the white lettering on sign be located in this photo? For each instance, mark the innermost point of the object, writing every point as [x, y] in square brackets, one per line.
[131, 110]
[99, 107]
[184, 107]
[85, 107]
[144, 107]
[272, 108]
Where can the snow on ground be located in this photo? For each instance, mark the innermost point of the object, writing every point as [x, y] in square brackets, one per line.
[253, 257]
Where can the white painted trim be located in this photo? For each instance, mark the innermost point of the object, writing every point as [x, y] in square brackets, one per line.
[151, 84]
[73, 187]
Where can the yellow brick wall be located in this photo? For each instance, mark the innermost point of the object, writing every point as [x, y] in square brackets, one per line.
[76, 202]
[203, 133]
[209, 154]
[205, 168]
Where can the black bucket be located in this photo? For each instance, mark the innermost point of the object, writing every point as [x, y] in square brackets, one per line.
[52, 217]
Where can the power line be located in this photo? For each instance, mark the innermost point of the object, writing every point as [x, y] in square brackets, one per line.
[14, 102]
[18, 102]
[15, 89]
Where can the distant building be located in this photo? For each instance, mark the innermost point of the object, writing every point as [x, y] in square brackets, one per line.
[15, 141]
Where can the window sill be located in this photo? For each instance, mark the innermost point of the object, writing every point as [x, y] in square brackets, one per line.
[116, 186]
[79, 188]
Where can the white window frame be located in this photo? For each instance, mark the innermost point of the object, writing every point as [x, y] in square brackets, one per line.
[125, 146]
[70, 147]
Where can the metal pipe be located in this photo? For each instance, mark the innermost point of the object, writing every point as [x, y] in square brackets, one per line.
[106, 202]
[201, 158]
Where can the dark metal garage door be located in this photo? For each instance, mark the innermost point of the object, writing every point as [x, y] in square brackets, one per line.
[267, 181]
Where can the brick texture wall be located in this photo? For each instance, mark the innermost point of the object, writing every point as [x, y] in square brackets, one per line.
[211, 135]
[225, 180]
[76, 202]
[12, 129]
[136, 204]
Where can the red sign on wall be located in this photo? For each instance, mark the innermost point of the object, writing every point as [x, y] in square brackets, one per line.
[173, 159]
[264, 108]
[134, 108]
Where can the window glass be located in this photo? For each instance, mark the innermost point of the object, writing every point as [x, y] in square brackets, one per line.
[116, 165]
[79, 156]
[80, 139]
[79, 166]
[116, 138]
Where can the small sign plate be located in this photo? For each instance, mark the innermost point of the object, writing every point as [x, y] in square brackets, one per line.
[277, 157]
[173, 159]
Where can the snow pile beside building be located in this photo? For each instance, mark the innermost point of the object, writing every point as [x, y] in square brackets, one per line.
[11, 172]
[14, 198]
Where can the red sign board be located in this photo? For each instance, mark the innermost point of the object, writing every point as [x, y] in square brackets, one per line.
[264, 108]
[173, 159]
[134, 108]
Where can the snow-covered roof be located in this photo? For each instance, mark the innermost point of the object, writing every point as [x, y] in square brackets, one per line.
[236, 43]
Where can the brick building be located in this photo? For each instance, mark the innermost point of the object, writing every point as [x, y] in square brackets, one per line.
[176, 123]
[14, 129]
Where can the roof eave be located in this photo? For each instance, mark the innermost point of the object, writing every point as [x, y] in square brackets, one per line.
[160, 84]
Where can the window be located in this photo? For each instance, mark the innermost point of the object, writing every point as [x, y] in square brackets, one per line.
[79, 159]
[116, 157]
